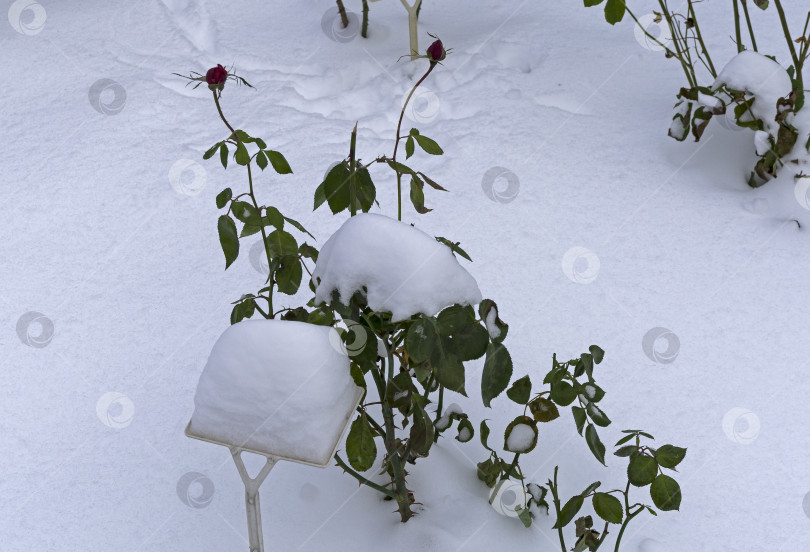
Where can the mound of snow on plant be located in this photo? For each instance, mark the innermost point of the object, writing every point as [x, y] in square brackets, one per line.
[399, 268]
[758, 75]
[275, 386]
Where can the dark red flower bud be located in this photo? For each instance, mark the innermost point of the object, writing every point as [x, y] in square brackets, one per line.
[435, 52]
[216, 77]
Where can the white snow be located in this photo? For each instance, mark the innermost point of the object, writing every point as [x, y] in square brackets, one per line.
[130, 271]
[762, 142]
[590, 390]
[403, 270]
[444, 420]
[520, 438]
[492, 327]
[756, 74]
[708, 101]
[465, 434]
[275, 386]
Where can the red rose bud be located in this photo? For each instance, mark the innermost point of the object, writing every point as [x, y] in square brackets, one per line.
[435, 52]
[216, 77]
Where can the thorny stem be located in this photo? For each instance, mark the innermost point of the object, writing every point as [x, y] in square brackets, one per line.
[396, 144]
[364, 30]
[252, 199]
[342, 10]
[627, 518]
[748, 23]
[361, 479]
[401, 493]
[353, 173]
[676, 54]
[700, 38]
[687, 51]
[674, 35]
[797, 62]
[557, 508]
[740, 47]
[439, 411]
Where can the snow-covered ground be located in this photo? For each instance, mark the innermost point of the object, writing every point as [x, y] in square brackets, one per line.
[587, 224]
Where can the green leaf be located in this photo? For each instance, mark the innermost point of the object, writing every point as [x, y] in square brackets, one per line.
[669, 456]
[224, 197]
[366, 191]
[641, 470]
[242, 156]
[563, 393]
[399, 167]
[596, 414]
[543, 410]
[484, 429]
[261, 160]
[278, 161]
[569, 511]
[223, 155]
[281, 243]
[449, 368]
[469, 338]
[488, 471]
[589, 3]
[486, 310]
[521, 390]
[596, 446]
[409, 147]
[590, 488]
[421, 436]
[298, 226]
[289, 274]
[228, 239]
[584, 365]
[466, 431]
[431, 183]
[497, 372]
[245, 212]
[666, 493]
[242, 310]
[454, 247]
[520, 421]
[357, 375]
[418, 196]
[398, 391]
[360, 447]
[421, 339]
[579, 418]
[761, 4]
[212, 150]
[597, 353]
[608, 507]
[336, 188]
[614, 11]
[593, 392]
[308, 252]
[320, 196]
[427, 144]
[626, 451]
[274, 217]
[524, 516]
[624, 439]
